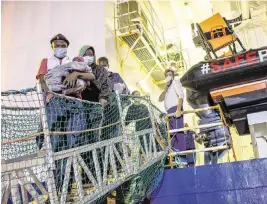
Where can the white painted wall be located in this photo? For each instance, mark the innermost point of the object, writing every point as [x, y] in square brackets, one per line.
[27, 28]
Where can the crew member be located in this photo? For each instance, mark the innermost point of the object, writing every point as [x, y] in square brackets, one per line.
[173, 96]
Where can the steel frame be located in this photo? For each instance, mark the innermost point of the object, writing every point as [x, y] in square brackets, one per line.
[15, 171]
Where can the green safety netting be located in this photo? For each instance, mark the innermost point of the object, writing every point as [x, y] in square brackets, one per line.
[58, 149]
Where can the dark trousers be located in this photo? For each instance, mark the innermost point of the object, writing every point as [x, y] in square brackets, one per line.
[63, 115]
[190, 145]
[93, 115]
[178, 138]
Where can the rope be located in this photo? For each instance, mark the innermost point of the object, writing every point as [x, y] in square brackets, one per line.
[31, 137]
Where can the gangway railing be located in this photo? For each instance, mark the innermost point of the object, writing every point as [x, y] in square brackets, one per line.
[171, 134]
[59, 149]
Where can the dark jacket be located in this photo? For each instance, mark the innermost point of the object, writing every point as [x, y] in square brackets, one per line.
[115, 78]
[138, 111]
[100, 87]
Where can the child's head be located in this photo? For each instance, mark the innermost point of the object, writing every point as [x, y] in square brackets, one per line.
[78, 59]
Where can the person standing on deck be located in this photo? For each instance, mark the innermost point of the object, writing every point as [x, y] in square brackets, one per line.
[59, 118]
[116, 82]
[59, 44]
[173, 97]
[99, 89]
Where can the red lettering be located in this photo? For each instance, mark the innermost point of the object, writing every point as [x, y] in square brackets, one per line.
[215, 67]
[239, 59]
[227, 64]
[251, 58]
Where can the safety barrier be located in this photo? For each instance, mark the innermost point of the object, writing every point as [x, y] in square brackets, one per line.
[208, 149]
[58, 149]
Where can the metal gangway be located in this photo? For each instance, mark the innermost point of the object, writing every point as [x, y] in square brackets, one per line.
[58, 149]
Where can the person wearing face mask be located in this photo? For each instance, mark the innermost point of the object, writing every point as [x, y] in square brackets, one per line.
[99, 89]
[137, 111]
[139, 114]
[173, 96]
[116, 82]
[48, 72]
[59, 44]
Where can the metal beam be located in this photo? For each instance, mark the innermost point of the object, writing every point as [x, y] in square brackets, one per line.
[200, 150]
[160, 82]
[197, 127]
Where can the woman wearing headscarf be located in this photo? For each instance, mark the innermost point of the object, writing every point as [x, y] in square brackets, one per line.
[99, 89]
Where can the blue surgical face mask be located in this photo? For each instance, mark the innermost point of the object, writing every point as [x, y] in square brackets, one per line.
[60, 52]
[89, 59]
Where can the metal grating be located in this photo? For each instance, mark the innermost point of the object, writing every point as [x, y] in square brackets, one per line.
[130, 39]
[143, 54]
[149, 64]
[139, 45]
[41, 171]
[140, 28]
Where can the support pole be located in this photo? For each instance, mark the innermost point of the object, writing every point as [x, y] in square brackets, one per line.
[153, 120]
[196, 110]
[197, 127]
[169, 142]
[230, 137]
[125, 139]
[200, 150]
[50, 163]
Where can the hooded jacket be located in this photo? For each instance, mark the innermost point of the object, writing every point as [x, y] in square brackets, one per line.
[100, 87]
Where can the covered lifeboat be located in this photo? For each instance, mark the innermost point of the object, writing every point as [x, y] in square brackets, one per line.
[239, 81]
[237, 69]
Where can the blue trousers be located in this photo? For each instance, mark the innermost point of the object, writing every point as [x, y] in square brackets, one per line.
[64, 115]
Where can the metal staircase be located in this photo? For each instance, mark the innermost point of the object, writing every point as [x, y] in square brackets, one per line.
[139, 27]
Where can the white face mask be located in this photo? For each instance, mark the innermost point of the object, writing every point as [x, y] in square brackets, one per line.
[89, 59]
[137, 100]
[60, 52]
[168, 79]
[106, 68]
